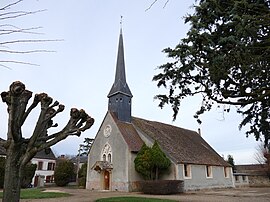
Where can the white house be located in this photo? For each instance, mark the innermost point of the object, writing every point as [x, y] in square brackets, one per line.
[45, 167]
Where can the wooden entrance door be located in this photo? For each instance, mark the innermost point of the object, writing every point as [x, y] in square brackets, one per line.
[106, 180]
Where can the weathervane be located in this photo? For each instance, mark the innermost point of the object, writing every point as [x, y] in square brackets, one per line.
[121, 21]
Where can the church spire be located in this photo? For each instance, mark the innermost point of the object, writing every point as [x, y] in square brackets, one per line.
[120, 94]
[120, 85]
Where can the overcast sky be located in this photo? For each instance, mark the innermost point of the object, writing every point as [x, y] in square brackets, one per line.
[81, 70]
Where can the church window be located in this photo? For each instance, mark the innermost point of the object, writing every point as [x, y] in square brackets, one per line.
[109, 158]
[209, 172]
[187, 171]
[106, 154]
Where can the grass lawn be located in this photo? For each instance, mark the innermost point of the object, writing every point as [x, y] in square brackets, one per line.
[133, 199]
[37, 193]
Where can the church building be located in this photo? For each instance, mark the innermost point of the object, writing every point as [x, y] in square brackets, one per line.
[120, 137]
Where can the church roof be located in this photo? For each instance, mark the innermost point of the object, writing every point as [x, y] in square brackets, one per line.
[120, 85]
[129, 134]
[181, 145]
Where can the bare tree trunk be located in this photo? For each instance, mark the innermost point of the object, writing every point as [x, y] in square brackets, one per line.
[12, 174]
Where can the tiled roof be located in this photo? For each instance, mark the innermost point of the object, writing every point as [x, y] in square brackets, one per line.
[45, 155]
[256, 169]
[181, 145]
[129, 134]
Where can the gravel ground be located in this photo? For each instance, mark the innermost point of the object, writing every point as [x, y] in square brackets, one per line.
[222, 195]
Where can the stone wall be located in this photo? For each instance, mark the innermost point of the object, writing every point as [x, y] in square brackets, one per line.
[258, 180]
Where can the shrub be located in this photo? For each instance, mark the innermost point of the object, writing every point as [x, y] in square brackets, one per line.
[2, 171]
[149, 162]
[64, 172]
[82, 175]
[28, 173]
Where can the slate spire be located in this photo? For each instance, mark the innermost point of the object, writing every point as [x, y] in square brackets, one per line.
[120, 94]
[120, 85]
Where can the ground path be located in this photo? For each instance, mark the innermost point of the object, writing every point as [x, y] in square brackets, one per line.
[222, 195]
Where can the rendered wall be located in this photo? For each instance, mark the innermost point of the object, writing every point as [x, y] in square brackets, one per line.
[198, 179]
[119, 156]
[44, 171]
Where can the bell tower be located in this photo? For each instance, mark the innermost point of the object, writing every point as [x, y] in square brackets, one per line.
[120, 94]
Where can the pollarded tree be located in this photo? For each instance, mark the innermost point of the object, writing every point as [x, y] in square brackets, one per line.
[226, 59]
[20, 150]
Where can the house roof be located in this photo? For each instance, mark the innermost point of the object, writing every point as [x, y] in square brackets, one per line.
[41, 154]
[45, 155]
[181, 145]
[252, 169]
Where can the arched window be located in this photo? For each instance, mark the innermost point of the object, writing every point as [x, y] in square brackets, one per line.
[106, 154]
[109, 158]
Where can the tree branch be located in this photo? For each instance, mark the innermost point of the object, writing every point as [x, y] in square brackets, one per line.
[85, 122]
[10, 5]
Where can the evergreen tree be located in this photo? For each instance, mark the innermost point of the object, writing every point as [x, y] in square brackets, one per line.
[82, 175]
[230, 160]
[226, 59]
[159, 160]
[149, 162]
[64, 172]
[143, 164]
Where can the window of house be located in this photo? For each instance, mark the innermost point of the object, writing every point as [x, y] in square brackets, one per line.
[226, 172]
[187, 171]
[236, 178]
[40, 165]
[244, 178]
[209, 172]
[48, 179]
[104, 157]
[51, 166]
